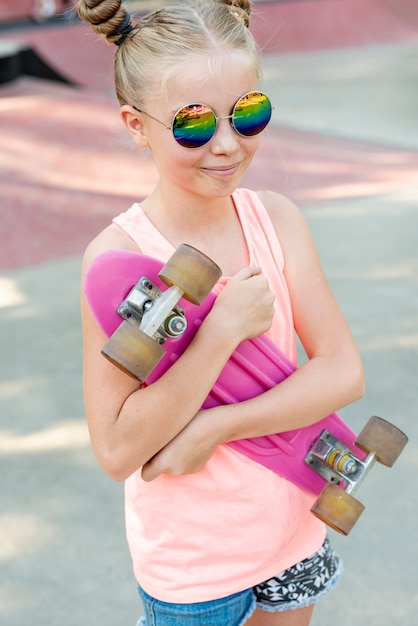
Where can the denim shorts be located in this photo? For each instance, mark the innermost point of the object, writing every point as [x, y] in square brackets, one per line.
[301, 585]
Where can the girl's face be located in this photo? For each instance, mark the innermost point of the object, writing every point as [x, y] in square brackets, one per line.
[214, 169]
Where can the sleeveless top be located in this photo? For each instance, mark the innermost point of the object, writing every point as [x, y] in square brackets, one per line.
[234, 524]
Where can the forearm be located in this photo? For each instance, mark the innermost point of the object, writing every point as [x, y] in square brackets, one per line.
[311, 393]
[151, 417]
[317, 389]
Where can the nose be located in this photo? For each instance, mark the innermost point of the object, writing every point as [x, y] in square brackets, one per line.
[225, 139]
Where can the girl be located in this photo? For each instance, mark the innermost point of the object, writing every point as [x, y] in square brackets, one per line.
[215, 537]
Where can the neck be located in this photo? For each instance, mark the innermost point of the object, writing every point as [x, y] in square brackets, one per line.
[184, 215]
[209, 224]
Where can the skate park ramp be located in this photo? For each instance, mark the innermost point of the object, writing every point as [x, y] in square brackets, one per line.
[18, 59]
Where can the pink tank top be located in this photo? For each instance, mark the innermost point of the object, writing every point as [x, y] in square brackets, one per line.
[235, 523]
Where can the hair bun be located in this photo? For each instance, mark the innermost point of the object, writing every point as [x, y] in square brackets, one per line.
[241, 9]
[106, 17]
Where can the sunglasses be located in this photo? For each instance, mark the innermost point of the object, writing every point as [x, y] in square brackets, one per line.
[195, 124]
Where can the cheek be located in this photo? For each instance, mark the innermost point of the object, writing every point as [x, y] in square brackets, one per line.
[253, 144]
[176, 161]
[184, 157]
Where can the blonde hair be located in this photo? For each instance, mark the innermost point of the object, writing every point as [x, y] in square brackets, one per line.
[150, 52]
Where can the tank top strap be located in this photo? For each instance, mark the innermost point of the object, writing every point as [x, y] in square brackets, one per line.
[142, 231]
[263, 244]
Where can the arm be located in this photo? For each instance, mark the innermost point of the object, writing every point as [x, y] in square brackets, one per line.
[331, 378]
[128, 424]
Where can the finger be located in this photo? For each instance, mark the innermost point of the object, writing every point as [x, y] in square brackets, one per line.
[247, 272]
[149, 471]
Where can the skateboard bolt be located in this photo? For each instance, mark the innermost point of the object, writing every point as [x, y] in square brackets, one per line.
[146, 284]
[124, 312]
[175, 325]
[348, 466]
[342, 462]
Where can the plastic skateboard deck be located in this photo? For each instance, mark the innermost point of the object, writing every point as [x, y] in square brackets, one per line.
[311, 457]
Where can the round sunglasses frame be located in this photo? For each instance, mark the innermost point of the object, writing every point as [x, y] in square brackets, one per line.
[172, 127]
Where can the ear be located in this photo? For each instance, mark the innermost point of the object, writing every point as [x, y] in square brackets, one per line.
[134, 122]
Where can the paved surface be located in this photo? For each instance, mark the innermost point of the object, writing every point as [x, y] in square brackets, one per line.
[344, 145]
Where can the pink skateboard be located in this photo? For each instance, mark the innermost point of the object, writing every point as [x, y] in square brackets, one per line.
[151, 311]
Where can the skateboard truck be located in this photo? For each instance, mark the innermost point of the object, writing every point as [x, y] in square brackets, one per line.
[337, 463]
[153, 311]
[151, 315]
[344, 471]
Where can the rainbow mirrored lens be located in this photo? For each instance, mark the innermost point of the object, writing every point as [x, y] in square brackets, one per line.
[195, 124]
[251, 114]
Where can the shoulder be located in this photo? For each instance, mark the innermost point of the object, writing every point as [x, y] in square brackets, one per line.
[278, 206]
[286, 217]
[111, 238]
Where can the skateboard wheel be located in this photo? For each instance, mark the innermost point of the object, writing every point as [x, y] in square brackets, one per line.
[132, 351]
[337, 508]
[191, 271]
[383, 439]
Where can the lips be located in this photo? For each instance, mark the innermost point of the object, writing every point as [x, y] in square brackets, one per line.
[222, 170]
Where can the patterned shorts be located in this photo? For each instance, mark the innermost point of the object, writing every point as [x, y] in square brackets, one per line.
[302, 584]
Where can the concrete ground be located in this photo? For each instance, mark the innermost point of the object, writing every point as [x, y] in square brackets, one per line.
[344, 145]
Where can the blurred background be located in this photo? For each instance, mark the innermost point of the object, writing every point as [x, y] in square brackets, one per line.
[343, 144]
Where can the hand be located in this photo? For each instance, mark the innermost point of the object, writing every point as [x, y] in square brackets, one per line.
[187, 453]
[245, 305]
